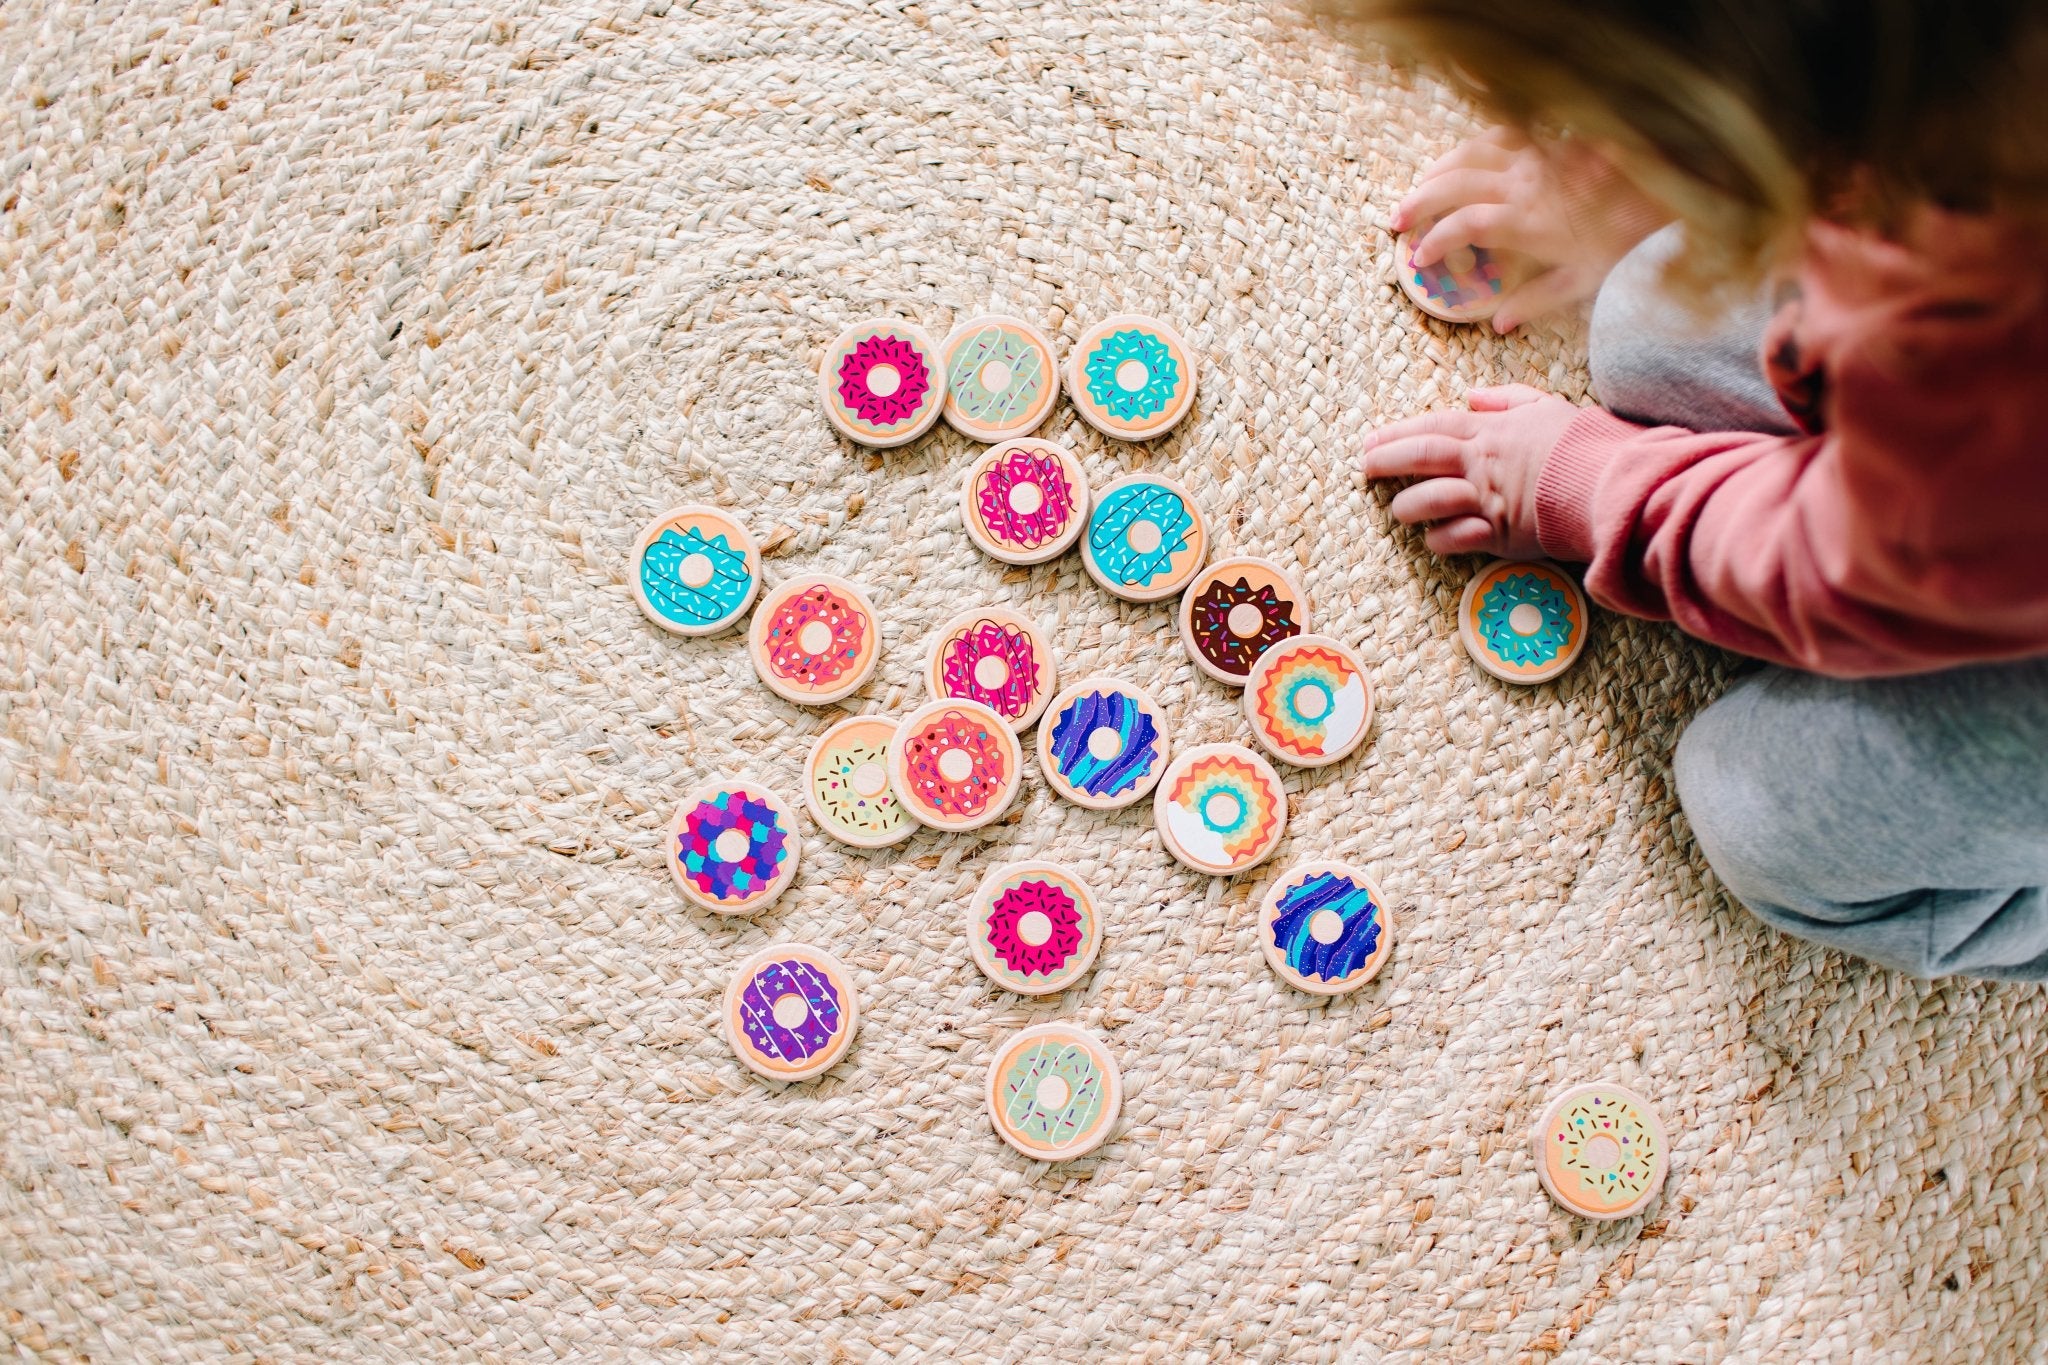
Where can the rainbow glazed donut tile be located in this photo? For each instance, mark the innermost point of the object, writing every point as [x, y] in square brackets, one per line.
[997, 657]
[1001, 377]
[1234, 611]
[1145, 539]
[1523, 622]
[1220, 809]
[846, 784]
[1309, 701]
[955, 765]
[1025, 501]
[1325, 928]
[1131, 377]
[1033, 928]
[790, 1012]
[733, 847]
[1054, 1091]
[881, 382]
[1601, 1151]
[695, 570]
[814, 639]
[1102, 743]
[1465, 286]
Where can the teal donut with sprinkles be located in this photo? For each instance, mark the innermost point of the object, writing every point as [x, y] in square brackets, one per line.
[1523, 622]
[1111, 375]
[697, 571]
[1144, 539]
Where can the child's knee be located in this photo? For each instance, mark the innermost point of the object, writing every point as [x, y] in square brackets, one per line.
[1760, 844]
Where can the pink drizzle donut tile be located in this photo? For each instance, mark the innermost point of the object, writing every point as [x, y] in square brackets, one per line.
[814, 639]
[955, 765]
[1025, 501]
[997, 657]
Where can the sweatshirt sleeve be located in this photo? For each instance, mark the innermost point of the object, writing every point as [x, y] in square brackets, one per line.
[1903, 537]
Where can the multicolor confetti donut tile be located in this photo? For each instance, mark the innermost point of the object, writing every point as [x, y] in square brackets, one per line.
[955, 765]
[1220, 809]
[791, 1011]
[1234, 611]
[1325, 927]
[1601, 1151]
[1025, 501]
[1033, 928]
[846, 784]
[1131, 377]
[1001, 377]
[695, 570]
[1523, 622]
[733, 847]
[1103, 743]
[814, 639]
[1309, 701]
[1145, 539]
[997, 657]
[881, 382]
[1465, 286]
[1054, 1092]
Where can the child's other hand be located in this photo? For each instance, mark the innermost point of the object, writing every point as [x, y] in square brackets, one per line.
[1501, 191]
[1478, 469]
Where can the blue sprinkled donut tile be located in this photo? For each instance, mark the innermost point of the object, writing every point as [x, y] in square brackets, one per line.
[695, 570]
[1145, 539]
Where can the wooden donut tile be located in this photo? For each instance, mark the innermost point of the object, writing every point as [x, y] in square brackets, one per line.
[790, 1011]
[955, 765]
[1103, 743]
[997, 657]
[1309, 701]
[1220, 809]
[1131, 377]
[1025, 501]
[1601, 1151]
[1523, 622]
[1054, 1092]
[733, 846]
[1033, 927]
[1146, 538]
[695, 570]
[1002, 377]
[1465, 286]
[846, 784]
[1325, 927]
[814, 639]
[881, 382]
[1234, 611]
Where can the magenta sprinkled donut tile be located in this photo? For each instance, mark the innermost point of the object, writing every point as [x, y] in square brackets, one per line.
[791, 1011]
[881, 382]
[1033, 928]
[1025, 502]
[997, 657]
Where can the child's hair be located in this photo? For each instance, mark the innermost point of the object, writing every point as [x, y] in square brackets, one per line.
[1747, 117]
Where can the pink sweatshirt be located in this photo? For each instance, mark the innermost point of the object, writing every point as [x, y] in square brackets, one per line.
[1908, 531]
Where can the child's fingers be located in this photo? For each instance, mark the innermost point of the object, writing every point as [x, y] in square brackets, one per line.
[1477, 154]
[1466, 535]
[1415, 457]
[1440, 194]
[1546, 293]
[1435, 500]
[1501, 397]
[1474, 225]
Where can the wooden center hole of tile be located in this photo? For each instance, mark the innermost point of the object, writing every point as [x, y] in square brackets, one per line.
[1104, 744]
[730, 846]
[1144, 537]
[790, 1011]
[1132, 376]
[884, 380]
[814, 638]
[1245, 620]
[991, 671]
[956, 765]
[1053, 1093]
[1222, 809]
[1326, 926]
[1603, 1153]
[869, 779]
[1026, 498]
[995, 376]
[696, 570]
[1034, 927]
[1526, 618]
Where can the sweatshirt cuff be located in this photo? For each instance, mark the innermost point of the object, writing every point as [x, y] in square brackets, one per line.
[1571, 475]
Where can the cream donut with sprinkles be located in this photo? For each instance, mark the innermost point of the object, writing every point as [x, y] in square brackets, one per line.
[1033, 927]
[814, 639]
[955, 765]
[733, 847]
[881, 382]
[1523, 622]
[790, 1011]
[998, 657]
[1001, 377]
[1025, 501]
[695, 570]
[846, 784]
[1601, 1151]
[1054, 1092]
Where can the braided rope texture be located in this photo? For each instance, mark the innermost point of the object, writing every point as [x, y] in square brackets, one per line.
[348, 1012]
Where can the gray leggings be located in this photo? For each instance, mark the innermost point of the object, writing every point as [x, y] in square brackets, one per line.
[1904, 819]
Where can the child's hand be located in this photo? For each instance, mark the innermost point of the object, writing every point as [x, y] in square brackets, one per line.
[1500, 190]
[1478, 469]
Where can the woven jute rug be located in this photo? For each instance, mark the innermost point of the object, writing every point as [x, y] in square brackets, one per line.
[348, 1010]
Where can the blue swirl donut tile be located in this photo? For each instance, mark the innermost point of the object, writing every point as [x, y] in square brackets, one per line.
[790, 1011]
[1102, 743]
[1146, 539]
[1325, 927]
[695, 570]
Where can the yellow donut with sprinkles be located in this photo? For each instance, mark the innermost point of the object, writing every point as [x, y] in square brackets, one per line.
[1601, 1151]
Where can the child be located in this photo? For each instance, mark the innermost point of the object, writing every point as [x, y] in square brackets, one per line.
[1844, 472]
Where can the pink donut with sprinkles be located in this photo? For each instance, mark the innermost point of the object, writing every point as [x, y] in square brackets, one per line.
[788, 654]
[1025, 501]
[997, 657]
[955, 764]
